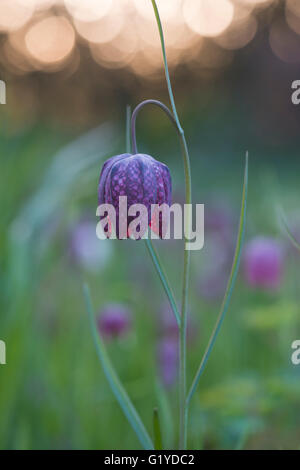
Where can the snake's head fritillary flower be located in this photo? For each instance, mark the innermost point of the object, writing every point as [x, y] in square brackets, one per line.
[168, 360]
[264, 259]
[139, 177]
[114, 321]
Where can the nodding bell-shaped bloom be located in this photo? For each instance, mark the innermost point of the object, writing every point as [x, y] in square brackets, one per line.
[143, 180]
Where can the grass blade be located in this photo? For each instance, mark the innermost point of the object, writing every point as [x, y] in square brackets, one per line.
[158, 266]
[230, 285]
[166, 416]
[157, 431]
[113, 380]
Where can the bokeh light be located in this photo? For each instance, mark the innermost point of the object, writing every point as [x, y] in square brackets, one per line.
[284, 42]
[100, 31]
[89, 10]
[293, 15]
[169, 10]
[50, 40]
[14, 14]
[208, 18]
[255, 2]
[119, 33]
[239, 34]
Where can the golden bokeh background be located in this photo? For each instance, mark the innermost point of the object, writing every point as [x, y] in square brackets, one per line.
[108, 47]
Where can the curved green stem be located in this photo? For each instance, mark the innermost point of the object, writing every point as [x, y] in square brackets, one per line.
[136, 112]
[186, 268]
[153, 253]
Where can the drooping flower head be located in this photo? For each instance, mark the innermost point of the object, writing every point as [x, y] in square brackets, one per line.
[264, 260]
[142, 179]
[114, 320]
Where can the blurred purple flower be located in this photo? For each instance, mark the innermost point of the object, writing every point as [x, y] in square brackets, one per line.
[263, 263]
[114, 321]
[168, 360]
[87, 249]
[167, 324]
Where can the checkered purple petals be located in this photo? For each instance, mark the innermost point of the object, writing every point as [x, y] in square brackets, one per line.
[140, 177]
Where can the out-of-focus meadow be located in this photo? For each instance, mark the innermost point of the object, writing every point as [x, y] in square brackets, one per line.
[70, 72]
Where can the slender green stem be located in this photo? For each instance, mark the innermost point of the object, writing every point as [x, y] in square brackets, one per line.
[184, 305]
[164, 280]
[186, 269]
[135, 115]
[153, 253]
[163, 47]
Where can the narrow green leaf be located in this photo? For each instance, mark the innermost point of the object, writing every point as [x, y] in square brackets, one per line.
[113, 380]
[288, 231]
[166, 285]
[157, 431]
[165, 414]
[230, 285]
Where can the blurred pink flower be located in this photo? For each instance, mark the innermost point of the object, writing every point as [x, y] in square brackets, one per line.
[87, 250]
[167, 324]
[168, 327]
[263, 263]
[168, 360]
[114, 321]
